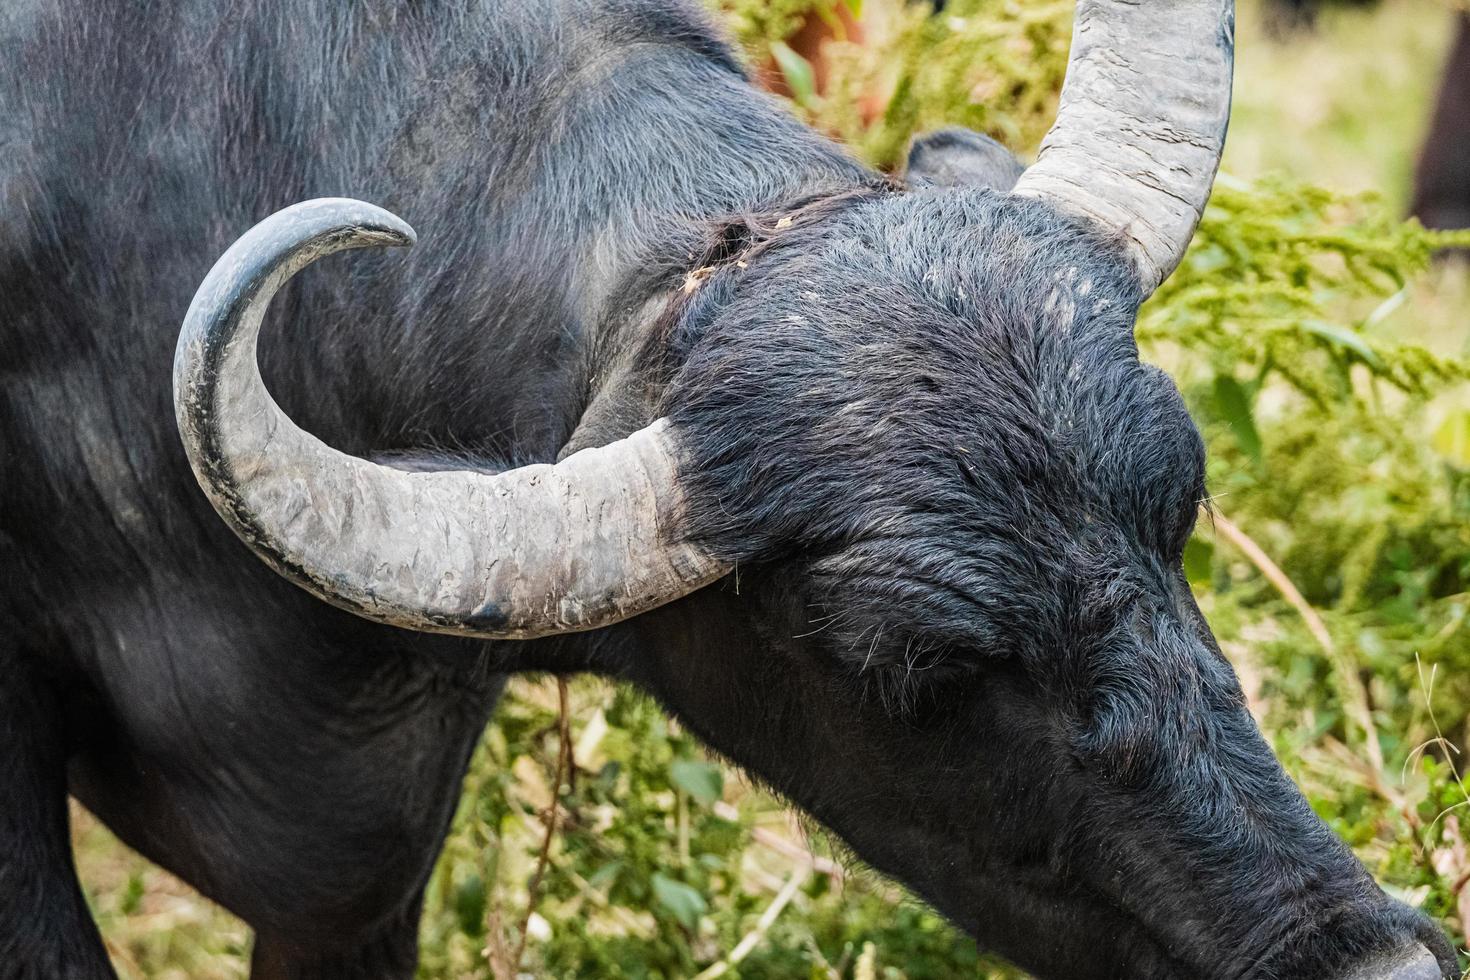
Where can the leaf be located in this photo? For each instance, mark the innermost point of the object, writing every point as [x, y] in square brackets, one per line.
[1199, 556]
[605, 875]
[1452, 439]
[798, 72]
[681, 901]
[469, 905]
[1234, 404]
[701, 780]
[1347, 340]
[132, 898]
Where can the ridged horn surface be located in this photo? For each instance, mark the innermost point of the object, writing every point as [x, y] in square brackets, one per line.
[533, 551]
[1141, 124]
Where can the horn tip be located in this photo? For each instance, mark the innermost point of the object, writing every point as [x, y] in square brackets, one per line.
[396, 232]
[369, 223]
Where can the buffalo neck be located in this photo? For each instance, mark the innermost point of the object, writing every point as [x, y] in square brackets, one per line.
[492, 336]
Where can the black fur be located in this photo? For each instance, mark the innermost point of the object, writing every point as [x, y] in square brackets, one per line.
[923, 426]
[960, 158]
[916, 418]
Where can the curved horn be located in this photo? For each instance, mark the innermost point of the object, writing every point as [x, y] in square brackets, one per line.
[533, 551]
[1141, 124]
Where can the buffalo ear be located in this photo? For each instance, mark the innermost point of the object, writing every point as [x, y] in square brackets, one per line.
[625, 396]
[962, 158]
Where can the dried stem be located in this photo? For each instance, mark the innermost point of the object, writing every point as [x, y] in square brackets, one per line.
[763, 925]
[1355, 694]
[783, 845]
[504, 966]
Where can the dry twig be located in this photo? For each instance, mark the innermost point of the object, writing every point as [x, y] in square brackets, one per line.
[763, 925]
[783, 845]
[505, 965]
[1355, 694]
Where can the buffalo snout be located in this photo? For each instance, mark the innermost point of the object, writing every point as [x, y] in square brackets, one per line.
[1413, 962]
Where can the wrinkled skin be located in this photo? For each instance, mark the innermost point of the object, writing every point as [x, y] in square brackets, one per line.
[958, 635]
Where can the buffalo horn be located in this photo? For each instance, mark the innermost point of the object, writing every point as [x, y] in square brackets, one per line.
[1141, 124]
[533, 551]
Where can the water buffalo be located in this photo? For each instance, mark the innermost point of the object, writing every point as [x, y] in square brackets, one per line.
[1282, 17]
[1442, 177]
[862, 478]
[1441, 193]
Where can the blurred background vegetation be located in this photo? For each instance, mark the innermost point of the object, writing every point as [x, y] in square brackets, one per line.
[1323, 352]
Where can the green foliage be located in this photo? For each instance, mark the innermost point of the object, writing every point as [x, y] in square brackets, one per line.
[1276, 282]
[758, 24]
[653, 872]
[993, 65]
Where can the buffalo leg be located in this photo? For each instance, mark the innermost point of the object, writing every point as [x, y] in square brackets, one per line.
[45, 928]
[1442, 181]
[387, 951]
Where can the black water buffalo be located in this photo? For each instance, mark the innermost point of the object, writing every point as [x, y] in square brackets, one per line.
[1442, 177]
[1441, 194]
[861, 477]
[1284, 16]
